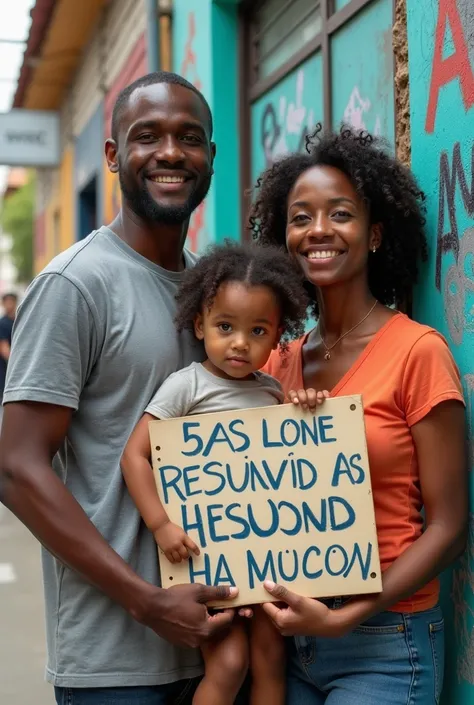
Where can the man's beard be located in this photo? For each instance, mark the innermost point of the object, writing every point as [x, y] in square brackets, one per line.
[143, 205]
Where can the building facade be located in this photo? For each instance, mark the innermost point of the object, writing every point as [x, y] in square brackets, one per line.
[91, 51]
[271, 70]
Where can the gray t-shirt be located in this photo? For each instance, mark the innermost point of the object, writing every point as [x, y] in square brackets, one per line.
[195, 390]
[95, 333]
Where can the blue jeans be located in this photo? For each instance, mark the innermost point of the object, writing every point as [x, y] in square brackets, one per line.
[179, 693]
[392, 659]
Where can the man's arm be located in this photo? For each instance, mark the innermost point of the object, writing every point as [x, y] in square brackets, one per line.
[31, 434]
[4, 340]
[56, 343]
[4, 349]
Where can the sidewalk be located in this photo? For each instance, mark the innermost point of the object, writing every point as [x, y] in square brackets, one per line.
[22, 641]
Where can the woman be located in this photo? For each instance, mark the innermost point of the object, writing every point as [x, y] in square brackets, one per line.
[351, 217]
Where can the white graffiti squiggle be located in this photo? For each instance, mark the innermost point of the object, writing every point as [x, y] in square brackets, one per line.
[356, 111]
[285, 132]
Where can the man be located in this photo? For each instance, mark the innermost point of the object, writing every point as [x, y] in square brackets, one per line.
[94, 340]
[9, 302]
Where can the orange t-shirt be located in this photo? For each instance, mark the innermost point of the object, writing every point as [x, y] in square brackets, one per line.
[405, 371]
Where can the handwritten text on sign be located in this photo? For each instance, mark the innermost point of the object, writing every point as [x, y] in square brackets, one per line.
[271, 493]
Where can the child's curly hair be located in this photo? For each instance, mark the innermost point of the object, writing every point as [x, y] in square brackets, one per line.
[389, 189]
[253, 265]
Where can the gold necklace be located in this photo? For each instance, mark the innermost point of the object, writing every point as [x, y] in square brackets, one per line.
[327, 355]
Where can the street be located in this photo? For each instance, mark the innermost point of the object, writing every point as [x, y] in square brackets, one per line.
[22, 641]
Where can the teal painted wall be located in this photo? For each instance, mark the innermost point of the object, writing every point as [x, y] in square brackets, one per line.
[205, 51]
[339, 4]
[362, 71]
[441, 70]
[282, 117]
[225, 107]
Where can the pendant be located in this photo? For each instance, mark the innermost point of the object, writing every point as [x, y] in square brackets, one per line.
[327, 355]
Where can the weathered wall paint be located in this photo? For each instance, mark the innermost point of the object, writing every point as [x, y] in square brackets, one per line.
[134, 66]
[362, 71]
[205, 52]
[282, 117]
[441, 69]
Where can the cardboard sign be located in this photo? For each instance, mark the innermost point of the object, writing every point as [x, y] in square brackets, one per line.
[271, 493]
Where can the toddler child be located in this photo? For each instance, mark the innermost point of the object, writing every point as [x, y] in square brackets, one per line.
[241, 301]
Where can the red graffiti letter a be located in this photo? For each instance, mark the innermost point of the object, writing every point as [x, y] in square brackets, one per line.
[457, 65]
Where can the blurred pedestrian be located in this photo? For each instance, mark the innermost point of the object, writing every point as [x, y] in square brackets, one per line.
[93, 342]
[10, 302]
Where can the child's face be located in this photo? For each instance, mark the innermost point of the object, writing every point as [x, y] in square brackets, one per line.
[240, 329]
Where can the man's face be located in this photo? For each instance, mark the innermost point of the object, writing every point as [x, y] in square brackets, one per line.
[164, 153]
[9, 305]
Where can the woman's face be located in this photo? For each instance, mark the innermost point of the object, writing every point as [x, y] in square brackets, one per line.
[328, 230]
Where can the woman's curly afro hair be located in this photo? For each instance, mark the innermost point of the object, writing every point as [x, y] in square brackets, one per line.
[253, 265]
[389, 189]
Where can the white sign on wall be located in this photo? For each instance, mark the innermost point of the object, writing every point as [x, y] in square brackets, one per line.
[29, 138]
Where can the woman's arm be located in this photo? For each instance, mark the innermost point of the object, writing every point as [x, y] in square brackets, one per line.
[138, 475]
[441, 449]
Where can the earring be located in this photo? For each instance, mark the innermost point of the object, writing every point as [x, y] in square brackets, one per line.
[374, 249]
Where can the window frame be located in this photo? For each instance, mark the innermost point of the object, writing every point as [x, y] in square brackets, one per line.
[252, 88]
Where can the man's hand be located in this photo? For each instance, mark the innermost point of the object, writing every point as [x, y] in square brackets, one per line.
[174, 542]
[179, 614]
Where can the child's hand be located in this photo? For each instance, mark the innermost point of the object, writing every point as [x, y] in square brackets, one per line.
[308, 398]
[174, 542]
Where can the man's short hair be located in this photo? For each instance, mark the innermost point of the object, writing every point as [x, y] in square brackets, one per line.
[151, 79]
[10, 295]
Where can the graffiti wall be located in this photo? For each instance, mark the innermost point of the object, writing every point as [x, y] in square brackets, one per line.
[362, 89]
[362, 71]
[441, 69]
[281, 119]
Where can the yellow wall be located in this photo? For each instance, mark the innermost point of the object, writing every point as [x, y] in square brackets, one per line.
[39, 264]
[58, 213]
[66, 198]
[51, 210]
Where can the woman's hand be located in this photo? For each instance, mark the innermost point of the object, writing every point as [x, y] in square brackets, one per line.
[174, 542]
[308, 398]
[303, 616]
